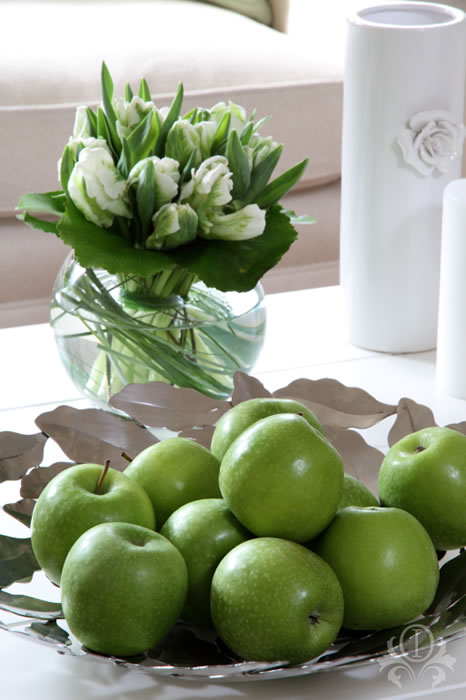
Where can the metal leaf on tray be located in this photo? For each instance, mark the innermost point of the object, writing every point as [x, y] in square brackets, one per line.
[189, 652]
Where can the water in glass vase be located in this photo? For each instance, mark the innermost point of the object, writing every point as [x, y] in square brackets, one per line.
[112, 330]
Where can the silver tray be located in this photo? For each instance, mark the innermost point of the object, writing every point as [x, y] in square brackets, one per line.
[188, 652]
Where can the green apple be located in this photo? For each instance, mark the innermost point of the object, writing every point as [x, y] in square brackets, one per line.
[282, 478]
[273, 599]
[245, 414]
[355, 493]
[203, 531]
[122, 589]
[174, 472]
[77, 499]
[386, 564]
[425, 474]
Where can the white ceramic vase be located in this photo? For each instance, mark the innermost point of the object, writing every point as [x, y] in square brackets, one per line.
[402, 141]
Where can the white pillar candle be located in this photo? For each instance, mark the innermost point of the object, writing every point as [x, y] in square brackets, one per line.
[451, 341]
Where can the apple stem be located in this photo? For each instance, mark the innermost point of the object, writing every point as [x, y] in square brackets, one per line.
[125, 456]
[420, 448]
[102, 476]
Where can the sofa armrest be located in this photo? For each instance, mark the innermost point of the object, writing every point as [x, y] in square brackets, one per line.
[280, 14]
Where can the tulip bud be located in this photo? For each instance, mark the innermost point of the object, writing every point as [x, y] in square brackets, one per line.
[238, 114]
[262, 146]
[129, 114]
[81, 124]
[174, 225]
[206, 131]
[183, 140]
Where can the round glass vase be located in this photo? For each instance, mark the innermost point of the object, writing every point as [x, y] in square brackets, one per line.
[112, 331]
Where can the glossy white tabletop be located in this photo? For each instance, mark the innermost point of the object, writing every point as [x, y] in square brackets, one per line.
[305, 338]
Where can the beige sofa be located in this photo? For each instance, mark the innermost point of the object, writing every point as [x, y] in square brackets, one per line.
[50, 63]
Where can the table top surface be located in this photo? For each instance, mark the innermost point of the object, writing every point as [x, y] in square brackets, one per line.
[306, 337]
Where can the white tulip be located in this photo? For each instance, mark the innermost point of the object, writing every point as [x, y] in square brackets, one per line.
[210, 184]
[241, 225]
[166, 177]
[88, 142]
[97, 188]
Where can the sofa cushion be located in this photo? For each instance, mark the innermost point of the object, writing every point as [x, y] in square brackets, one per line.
[52, 53]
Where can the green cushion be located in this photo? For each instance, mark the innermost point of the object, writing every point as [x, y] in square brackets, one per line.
[259, 10]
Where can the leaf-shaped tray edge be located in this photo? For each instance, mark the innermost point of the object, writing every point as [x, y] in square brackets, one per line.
[247, 387]
[234, 672]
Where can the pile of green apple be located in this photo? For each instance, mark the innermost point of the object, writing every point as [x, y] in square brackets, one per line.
[263, 536]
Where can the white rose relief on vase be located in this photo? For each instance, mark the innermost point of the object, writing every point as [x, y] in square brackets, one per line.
[432, 141]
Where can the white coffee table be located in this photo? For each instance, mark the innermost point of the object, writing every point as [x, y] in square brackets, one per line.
[305, 338]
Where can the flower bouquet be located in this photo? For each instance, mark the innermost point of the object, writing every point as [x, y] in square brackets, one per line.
[167, 215]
